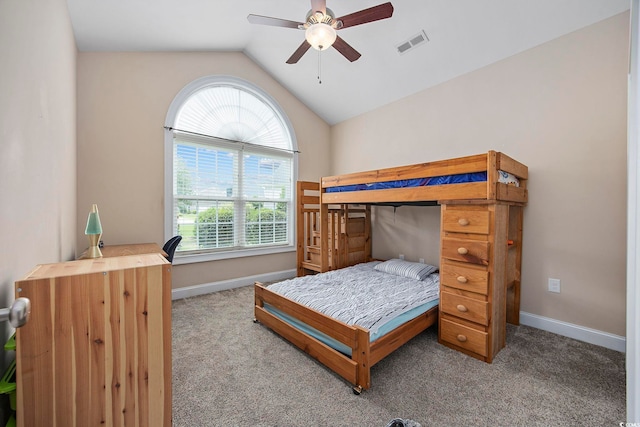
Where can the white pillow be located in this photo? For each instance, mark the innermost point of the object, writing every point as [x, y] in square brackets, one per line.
[413, 270]
[507, 178]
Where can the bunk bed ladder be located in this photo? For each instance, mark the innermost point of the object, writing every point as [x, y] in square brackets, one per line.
[308, 227]
[317, 251]
[347, 240]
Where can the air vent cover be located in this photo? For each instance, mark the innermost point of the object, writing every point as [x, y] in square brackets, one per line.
[413, 42]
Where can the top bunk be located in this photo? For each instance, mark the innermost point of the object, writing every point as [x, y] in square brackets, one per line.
[492, 176]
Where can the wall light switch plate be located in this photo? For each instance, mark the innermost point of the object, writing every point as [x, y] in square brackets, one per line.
[554, 285]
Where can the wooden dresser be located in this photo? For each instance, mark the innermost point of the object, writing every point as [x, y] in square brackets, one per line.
[97, 347]
[480, 256]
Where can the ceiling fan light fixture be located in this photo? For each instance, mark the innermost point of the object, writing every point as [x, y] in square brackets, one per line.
[320, 36]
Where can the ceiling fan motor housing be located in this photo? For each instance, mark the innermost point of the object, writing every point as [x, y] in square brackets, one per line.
[317, 17]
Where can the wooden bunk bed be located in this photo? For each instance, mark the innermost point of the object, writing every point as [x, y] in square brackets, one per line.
[480, 257]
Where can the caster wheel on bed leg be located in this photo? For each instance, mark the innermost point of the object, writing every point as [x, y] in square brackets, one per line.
[357, 390]
[255, 320]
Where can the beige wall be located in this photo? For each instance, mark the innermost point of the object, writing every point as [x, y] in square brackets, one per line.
[560, 108]
[37, 139]
[123, 99]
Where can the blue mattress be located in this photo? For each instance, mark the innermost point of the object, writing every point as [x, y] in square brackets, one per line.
[336, 345]
[416, 182]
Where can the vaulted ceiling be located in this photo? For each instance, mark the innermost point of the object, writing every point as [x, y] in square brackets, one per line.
[463, 35]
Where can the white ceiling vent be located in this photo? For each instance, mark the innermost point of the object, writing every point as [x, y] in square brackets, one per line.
[413, 42]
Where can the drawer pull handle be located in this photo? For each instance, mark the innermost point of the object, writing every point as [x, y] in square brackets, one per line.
[463, 222]
[462, 279]
[462, 308]
[463, 251]
[462, 338]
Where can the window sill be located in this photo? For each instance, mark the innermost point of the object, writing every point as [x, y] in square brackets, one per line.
[205, 257]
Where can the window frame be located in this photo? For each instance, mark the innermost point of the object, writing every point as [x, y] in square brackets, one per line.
[174, 108]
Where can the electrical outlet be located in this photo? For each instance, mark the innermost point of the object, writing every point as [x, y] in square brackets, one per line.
[554, 285]
[401, 256]
[421, 260]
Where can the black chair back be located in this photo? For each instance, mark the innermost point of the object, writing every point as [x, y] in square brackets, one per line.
[171, 246]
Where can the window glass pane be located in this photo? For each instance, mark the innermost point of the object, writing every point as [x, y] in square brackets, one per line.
[204, 171]
[215, 225]
[209, 225]
[266, 223]
[267, 177]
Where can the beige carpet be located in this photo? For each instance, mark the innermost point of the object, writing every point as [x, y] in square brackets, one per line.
[229, 371]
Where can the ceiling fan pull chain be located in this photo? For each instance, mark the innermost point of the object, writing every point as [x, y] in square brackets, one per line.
[319, 67]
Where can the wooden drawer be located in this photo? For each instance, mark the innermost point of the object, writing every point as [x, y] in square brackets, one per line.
[466, 221]
[464, 307]
[474, 251]
[464, 276]
[465, 337]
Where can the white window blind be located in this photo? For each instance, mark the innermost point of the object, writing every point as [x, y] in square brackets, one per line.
[232, 173]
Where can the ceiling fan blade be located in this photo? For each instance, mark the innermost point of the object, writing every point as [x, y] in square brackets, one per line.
[275, 22]
[364, 16]
[319, 5]
[346, 50]
[301, 50]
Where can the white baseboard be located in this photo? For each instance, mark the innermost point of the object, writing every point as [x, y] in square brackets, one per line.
[207, 288]
[580, 333]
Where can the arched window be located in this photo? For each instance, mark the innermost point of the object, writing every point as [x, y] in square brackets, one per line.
[230, 166]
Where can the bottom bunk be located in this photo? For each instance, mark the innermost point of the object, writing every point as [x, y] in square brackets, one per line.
[350, 319]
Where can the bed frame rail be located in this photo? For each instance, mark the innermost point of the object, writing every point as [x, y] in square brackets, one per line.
[476, 163]
[491, 162]
[395, 339]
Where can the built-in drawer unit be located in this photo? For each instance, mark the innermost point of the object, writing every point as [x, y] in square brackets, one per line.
[474, 265]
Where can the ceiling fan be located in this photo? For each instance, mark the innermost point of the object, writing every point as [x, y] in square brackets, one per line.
[321, 24]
